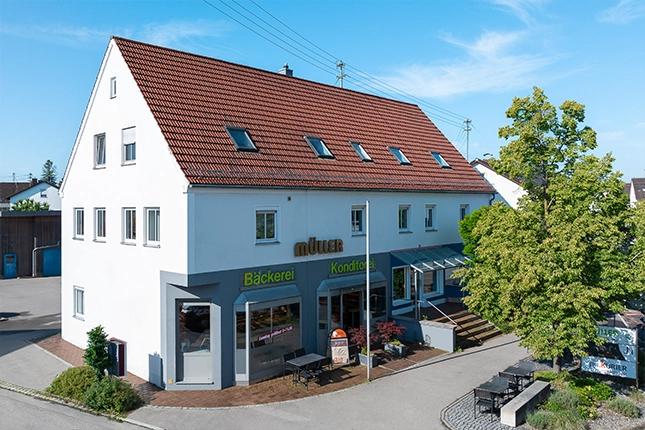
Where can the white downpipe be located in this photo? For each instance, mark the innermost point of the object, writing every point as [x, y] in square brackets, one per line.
[367, 281]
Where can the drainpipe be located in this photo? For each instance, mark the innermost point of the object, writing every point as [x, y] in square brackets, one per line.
[33, 255]
[490, 202]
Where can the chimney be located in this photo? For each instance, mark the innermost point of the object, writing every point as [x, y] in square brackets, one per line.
[286, 70]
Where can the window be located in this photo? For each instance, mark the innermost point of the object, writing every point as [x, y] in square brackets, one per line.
[128, 136]
[399, 155]
[79, 223]
[431, 217]
[43, 193]
[358, 220]
[404, 218]
[241, 139]
[99, 224]
[463, 211]
[113, 87]
[443, 163]
[266, 226]
[360, 151]
[99, 150]
[153, 215]
[129, 225]
[79, 302]
[319, 147]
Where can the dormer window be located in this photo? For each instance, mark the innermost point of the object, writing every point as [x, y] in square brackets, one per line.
[319, 147]
[241, 139]
[360, 151]
[443, 163]
[399, 155]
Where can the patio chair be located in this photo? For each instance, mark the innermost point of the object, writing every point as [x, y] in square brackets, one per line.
[300, 352]
[311, 372]
[513, 384]
[484, 399]
[289, 367]
[528, 365]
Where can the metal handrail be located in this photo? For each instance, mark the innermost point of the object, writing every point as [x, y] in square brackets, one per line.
[453, 321]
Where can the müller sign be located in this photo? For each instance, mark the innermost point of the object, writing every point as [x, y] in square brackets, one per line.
[315, 246]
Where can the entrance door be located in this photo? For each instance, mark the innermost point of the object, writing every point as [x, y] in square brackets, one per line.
[352, 310]
[193, 342]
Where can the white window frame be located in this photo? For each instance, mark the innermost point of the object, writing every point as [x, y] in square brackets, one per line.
[129, 145]
[153, 239]
[79, 302]
[276, 222]
[99, 151]
[100, 223]
[359, 219]
[464, 211]
[113, 87]
[407, 228]
[129, 225]
[79, 223]
[431, 217]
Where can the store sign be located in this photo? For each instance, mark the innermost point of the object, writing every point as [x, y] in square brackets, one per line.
[617, 356]
[315, 246]
[268, 277]
[336, 268]
[273, 334]
[339, 347]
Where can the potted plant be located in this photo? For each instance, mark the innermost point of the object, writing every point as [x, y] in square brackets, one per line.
[390, 332]
[358, 336]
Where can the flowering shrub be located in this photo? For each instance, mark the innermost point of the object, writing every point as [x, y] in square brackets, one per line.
[359, 337]
[390, 331]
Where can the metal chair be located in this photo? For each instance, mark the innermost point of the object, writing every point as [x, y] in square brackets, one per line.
[289, 367]
[528, 365]
[513, 384]
[483, 399]
[300, 352]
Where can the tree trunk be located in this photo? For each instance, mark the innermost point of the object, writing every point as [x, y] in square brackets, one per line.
[557, 364]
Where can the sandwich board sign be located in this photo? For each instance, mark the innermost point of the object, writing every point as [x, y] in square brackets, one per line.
[339, 347]
[617, 356]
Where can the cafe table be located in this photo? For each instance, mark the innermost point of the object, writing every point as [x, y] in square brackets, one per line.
[518, 374]
[302, 363]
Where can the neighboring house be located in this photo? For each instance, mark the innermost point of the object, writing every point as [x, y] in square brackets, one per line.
[636, 190]
[214, 215]
[40, 192]
[8, 189]
[508, 190]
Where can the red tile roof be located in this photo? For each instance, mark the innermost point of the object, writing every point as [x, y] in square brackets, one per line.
[193, 98]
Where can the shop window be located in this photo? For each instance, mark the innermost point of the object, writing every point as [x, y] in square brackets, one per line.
[194, 328]
[377, 302]
[274, 331]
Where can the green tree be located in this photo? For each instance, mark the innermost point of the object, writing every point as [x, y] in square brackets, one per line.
[49, 173]
[96, 355]
[28, 205]
[550, 268]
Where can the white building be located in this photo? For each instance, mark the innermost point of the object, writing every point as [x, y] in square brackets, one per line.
[214, 214]
[508, 190]
[40, 192]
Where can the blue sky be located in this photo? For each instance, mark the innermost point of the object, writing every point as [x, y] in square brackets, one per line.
[456, 59]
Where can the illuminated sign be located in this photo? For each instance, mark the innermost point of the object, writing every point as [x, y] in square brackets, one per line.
[315, 246]
[268, 277]
[353, 266]
[616, 357]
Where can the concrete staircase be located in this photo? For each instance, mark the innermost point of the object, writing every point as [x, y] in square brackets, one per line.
[472, 330]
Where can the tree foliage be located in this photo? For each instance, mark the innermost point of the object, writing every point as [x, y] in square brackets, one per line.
[28, 205]
[550, 268]
[49, 173]
[96, 355]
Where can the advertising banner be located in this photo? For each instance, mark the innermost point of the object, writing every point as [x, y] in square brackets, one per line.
[339, 347]
[617, 356]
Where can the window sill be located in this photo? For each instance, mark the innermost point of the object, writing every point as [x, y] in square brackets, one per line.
[99, 241]
[99, 167]
[129, 243]
[405, 231]
[152, 245]
[128, 163]
[361, 234]
[431, 229]
[78, 238]
[79, 317]
[275, 242]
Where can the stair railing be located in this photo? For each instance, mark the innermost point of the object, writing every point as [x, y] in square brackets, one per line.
[453, 321]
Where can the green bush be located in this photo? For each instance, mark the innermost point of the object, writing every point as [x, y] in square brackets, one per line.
[113, 395]
[588, 412]
[563, 400]
[72, 383]
[637, 396]
[557, 380]
[96, 354]
[591, 391]
[623, 407]
[539, 420]
[566, 420]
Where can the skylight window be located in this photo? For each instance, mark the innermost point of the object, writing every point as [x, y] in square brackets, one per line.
[360, 151]
[443, 163]
[241, 139]
[319, 147]
[399, 155]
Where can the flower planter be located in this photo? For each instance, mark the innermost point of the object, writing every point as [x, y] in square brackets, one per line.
[362, 359]
[398, 350]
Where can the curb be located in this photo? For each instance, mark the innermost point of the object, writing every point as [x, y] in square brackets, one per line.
[444, 410]
[49, 398]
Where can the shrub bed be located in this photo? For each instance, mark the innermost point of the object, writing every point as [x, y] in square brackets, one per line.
[623, 407]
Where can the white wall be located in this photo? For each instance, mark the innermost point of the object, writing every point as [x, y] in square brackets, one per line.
[121, 282]
[508, 191]
[36, 192]
[227, 216]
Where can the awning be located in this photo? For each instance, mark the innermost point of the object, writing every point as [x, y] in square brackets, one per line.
[346, 282]
[267, 294]
[428, 259]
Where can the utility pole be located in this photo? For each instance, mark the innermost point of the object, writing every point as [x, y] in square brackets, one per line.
[467, 130]
[340, 76]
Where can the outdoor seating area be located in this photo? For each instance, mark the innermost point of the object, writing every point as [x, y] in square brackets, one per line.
[492, 395]
[305, 367]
